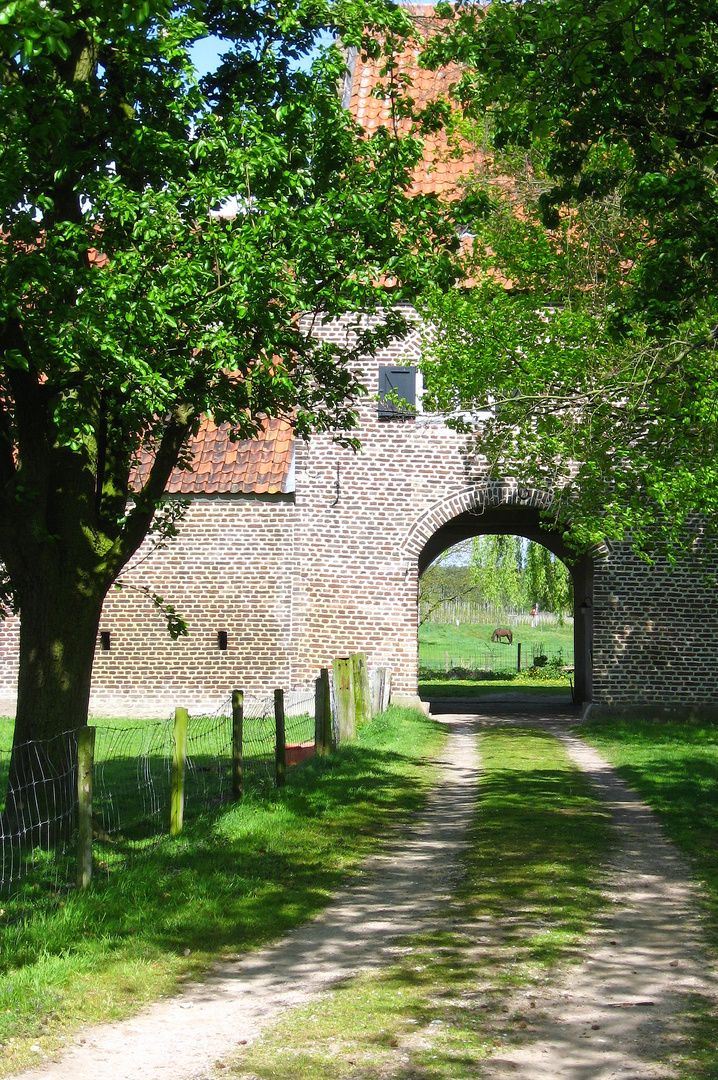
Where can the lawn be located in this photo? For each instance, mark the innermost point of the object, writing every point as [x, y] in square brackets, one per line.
[232, 881]
[469, 646]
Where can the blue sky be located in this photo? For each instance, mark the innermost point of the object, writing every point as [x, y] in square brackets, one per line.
[205, 53]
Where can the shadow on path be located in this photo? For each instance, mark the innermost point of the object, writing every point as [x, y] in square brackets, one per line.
[398, 892]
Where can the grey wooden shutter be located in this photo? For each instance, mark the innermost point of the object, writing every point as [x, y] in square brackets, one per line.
[400, 383]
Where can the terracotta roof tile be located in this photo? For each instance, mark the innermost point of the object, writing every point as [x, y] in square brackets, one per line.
[444, 166]
[219, 466]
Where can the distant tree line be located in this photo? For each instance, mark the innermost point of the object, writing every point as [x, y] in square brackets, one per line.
[504, 572]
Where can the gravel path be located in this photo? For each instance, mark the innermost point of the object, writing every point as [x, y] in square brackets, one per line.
[622, 1012]
[613, 1015]
[397, 893]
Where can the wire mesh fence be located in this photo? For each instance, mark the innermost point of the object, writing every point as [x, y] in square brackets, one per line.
[132, 785]
[38, 814]
[299, 716]
[258, 741]
[208, 767]
[131, 794]
[501, 659]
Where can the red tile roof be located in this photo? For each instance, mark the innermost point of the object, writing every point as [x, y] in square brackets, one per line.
[260, 466]
[264, 465]
[444, 164]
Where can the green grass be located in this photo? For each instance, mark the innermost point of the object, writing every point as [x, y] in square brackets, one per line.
[469, 688]
[674, 767]
[469, 643]
[457, 994]
[7, 727]
[233, 881]
[468, 638]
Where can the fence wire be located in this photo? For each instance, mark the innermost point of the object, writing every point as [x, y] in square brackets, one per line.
[299, 716]
[502, 659]
[38, 786]
[258, 741]
[208, 767]
[132, 785]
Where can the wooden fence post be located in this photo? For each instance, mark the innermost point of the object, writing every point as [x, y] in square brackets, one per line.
[85, 764]
[237, 724]
[377, 691]
[344, 689]
[280, 752]
[179, 758]
[386, 690]
[362, 695]
[518, 654]
[323, 727]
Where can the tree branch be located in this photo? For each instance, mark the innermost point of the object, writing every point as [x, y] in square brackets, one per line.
[140, 517]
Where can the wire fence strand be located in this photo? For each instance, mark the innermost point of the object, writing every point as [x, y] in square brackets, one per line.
[132, 784]
[38, 782]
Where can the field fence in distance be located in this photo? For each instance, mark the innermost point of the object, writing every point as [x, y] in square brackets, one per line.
[500, 659]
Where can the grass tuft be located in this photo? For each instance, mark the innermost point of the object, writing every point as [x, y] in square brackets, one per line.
[527, 898]
[232, 881]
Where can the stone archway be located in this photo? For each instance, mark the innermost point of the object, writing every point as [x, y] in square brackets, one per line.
[513, 510]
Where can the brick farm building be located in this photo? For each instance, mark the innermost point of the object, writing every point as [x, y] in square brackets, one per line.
[291, 554]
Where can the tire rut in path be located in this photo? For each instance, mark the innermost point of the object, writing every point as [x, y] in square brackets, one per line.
[621, 1013]
[398, 892]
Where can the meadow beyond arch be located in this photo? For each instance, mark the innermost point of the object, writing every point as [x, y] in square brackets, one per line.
[519, 512]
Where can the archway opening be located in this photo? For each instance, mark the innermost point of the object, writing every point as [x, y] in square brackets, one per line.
[505, 611]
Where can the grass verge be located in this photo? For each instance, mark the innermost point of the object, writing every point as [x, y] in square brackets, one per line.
[454, 996]
[674, 767]
[233, 881]
[469, 688]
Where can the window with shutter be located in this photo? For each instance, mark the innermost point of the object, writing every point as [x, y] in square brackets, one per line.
[397, 393]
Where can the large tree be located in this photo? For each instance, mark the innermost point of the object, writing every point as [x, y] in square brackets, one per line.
[590, 338]
[131, 305]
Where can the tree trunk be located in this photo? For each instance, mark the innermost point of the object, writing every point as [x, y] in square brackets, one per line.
[58, 631]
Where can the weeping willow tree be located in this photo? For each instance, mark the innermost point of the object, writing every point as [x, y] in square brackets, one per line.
[516, 574]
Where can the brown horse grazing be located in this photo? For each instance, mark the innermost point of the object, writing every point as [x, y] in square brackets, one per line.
[502, 632]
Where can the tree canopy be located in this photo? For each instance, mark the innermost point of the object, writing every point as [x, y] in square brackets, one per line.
[131, 305]
[497, 571]
[589, 341]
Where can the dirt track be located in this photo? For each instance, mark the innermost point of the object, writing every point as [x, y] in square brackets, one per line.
[613, 1015]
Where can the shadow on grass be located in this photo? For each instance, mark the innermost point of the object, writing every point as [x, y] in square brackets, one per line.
[510, 689]
[234, 879]
[674, 767]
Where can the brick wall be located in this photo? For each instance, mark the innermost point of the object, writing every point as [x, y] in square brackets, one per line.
[655, 635]
[334, 568]
[233, 569]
